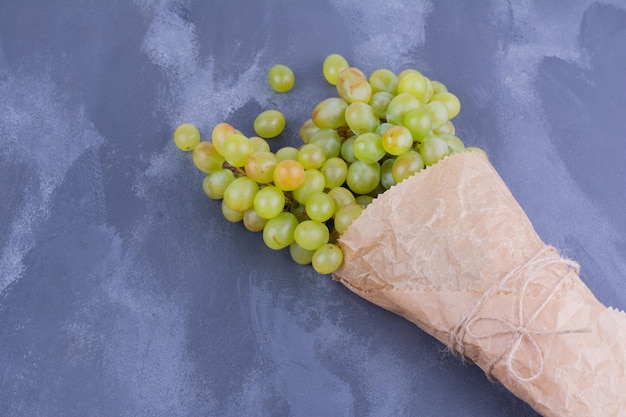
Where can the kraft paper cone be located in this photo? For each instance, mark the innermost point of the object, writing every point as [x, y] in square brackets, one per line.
[452, 251]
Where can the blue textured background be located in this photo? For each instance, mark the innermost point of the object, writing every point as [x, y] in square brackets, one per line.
[123, 291]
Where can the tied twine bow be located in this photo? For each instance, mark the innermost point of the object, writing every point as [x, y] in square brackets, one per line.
[521, 330]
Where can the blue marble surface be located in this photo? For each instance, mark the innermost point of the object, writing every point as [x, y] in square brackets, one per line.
[123, 291]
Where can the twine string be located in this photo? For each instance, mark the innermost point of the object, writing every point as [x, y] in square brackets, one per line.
[520, 329]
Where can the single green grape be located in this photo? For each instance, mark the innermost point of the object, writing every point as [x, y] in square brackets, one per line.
[239, 195]
[320, 206]
[342, 197]
[384, 80]
[311, 235]
[288, 175]
[236, 149]
[397, 140]
[401, 105]
[287, 152]
[386, 176]
[352, 86]
[269, 124]
[231, 215]
[307, 130]
[278, 232]
[406, 165]
[361, 118]
[380, 103]
[252, 221]
[206, 187]
[363, 177]
[419, 122]
[414, 84]
[438, 112]
[259, 144]
[269, 202]
[368, 147]
[382, 128]
[346, 215]
[364, 200]
[327, 259]
[186, 137]
[454, 143]
[311, 156]
[333, 65]
[314, 181]
[446, 128]
[260, 167]
[218, 181]
[330, 113]
[438, 87]
[335, 171]
[347, 149]
[220, 133]
[329, 140]
[433, 148]
[206, 158]
[280, 78]
[300, 255]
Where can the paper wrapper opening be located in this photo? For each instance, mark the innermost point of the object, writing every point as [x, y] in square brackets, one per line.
[451, 250]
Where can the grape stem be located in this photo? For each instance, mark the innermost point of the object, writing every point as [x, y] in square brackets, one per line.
[238, 172]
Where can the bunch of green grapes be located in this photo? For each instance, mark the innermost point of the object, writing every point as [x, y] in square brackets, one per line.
[379, 131]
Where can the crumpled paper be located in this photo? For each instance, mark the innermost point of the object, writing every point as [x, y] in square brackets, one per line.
[451, 250]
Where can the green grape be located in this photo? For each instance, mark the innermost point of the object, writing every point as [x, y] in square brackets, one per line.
[342, 197]
[347, 149]
[380, 102]
[386, 176]
[433, 149]
[288, 175]
[314, 181]
[446, 128]
[269, 124]
[311, 156]
[260, 166]
[186, 137]
[278, 232]
[330, 113]
[239, 195]
[218, 181]
[406, 165]
[231, 215]
[429, 90]
[327, 259]
[269, 201]
[311, 235]
[252, 221]
[438, 87]
[333, 65]
[452, 103]
[384, 80]
[352, 86]
[362, 177]
[364, 200]
[419, 122]
[335, 171]
[477, 150]
[300, 255]
[307, 130]
[361, 118]
[406, 72]
[382, 128]
[206, 158]
[454, 143]
[259, 144]
[346, 215]
[438, 112]
[400, 106]
[329, 140]
[287, 153]
[206, 187]
[236, 149]
[397, 140]
[280, 78]
[368, 147]
[320, 206]
[220, 133]
[414, 84]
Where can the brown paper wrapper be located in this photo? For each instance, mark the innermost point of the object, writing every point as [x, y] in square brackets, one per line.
[451, 250]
